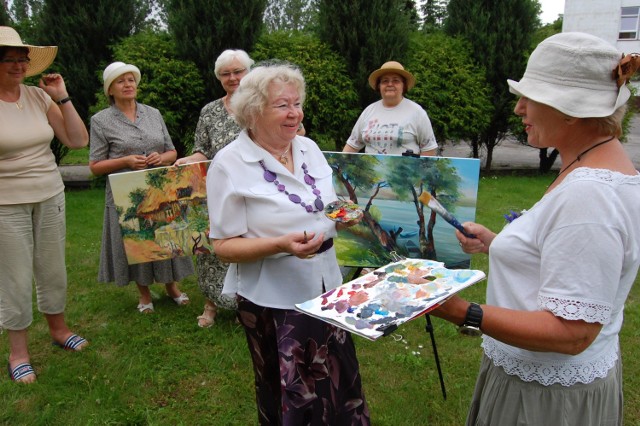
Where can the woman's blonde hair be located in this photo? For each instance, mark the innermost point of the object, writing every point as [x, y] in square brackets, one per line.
[611, 125]
[250, 100]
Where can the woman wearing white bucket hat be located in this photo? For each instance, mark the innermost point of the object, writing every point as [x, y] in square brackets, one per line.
[394, 124]
[560, 273]
[131, 136]
[32, 209]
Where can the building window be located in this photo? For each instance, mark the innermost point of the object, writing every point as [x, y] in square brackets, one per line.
[629, 23]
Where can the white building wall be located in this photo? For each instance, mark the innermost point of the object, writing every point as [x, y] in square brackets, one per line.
[600, 18]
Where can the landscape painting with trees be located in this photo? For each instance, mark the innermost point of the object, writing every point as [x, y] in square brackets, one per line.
[387, 188]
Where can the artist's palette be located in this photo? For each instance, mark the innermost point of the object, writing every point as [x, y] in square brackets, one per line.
[342, 211]
[375, 304]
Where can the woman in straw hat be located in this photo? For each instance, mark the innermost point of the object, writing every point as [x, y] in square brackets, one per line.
[124, 137]
[561, 272]
[394, 124]
[32, 209]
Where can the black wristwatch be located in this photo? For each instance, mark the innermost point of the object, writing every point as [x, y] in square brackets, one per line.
[472, 322]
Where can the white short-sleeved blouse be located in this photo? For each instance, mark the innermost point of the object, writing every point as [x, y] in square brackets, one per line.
[242, 203]
[576, 254]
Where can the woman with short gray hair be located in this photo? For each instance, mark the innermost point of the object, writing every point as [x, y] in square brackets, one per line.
[266, 193]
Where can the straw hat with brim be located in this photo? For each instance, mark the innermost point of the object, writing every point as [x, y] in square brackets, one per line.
[572, 72]
[40, 56]
[115, 70]
[391, 67]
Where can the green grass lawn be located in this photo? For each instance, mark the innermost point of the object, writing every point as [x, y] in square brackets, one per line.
[161, 369]
[76, 156]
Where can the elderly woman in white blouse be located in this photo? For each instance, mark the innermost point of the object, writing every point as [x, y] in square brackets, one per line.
[266, 192]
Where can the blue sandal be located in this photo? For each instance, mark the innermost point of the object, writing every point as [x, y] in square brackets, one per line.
[20, 371]
[73, 343]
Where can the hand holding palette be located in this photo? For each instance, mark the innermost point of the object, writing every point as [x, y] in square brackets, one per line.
[375, 304]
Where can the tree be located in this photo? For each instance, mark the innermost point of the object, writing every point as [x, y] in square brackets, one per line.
[366, 34]
[546, 31]
[434, 12]
[450, 86]
[410, 10]
[291, 15]
[331, 106]
[171, 85]
[83, 32]
[547, 157]
[20, 15]
[5, 19]
[500, 33]
[204, 28]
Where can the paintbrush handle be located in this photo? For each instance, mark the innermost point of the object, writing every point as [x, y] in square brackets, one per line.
[435, 205]
[452, 220]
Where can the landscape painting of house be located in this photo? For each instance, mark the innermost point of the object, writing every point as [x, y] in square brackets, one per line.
[387, 187]
[163, 211]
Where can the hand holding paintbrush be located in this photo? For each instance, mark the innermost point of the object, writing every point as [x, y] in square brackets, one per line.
[426, 199]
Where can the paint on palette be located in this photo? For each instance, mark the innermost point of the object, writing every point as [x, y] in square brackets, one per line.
[389, 296]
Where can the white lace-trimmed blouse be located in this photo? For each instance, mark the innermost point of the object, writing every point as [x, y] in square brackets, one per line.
[575, 253]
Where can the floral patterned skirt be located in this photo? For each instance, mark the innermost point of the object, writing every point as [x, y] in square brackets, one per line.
[306, 370]
[211, 272]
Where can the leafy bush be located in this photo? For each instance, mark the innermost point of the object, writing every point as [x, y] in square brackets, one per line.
[331, 107]
[449, 86]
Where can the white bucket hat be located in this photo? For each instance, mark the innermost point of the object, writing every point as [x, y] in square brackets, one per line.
[572, 72]
[40, 56]
[115, 70]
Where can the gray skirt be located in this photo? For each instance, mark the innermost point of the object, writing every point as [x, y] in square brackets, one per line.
[503, 399]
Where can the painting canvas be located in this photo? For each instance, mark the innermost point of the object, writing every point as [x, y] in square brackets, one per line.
[375, 304]
[388, 188]
[163, 211]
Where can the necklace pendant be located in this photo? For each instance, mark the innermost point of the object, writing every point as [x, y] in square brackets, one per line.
[284, 160]
[19, 106]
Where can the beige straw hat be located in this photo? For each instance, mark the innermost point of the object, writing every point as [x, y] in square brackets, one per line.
[391, 67]
[40, 56]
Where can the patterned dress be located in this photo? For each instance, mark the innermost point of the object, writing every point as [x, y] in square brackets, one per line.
[215, 129]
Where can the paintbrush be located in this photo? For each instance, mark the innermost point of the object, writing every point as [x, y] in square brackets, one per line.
[426, 199]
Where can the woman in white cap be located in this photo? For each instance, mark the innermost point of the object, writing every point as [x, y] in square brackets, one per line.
[394, 124]
[32, 208]
[124, 137]
[216, 128]
[561, 272]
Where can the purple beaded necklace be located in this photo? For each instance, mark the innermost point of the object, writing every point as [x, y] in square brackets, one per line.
[270, 176]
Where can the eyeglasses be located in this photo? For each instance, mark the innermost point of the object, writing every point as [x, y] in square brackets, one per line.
[15, 61]
[235, 73]
[393, 81]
